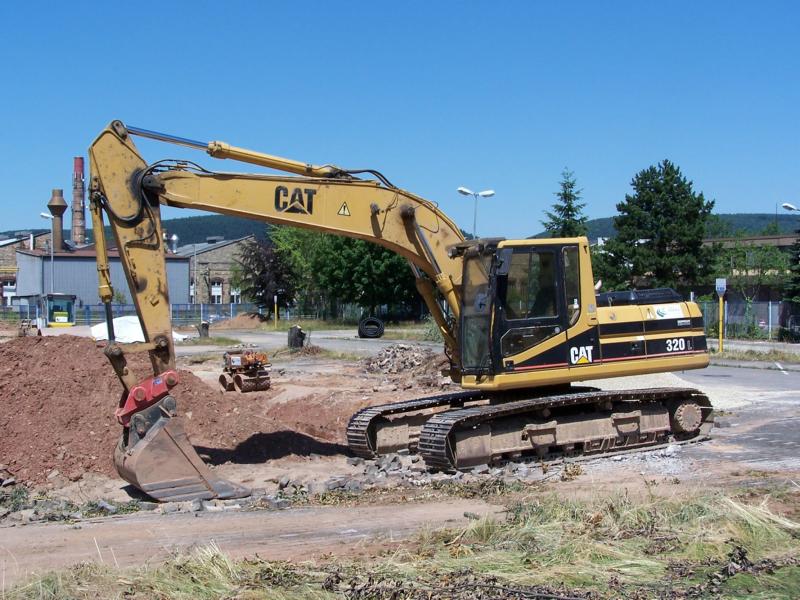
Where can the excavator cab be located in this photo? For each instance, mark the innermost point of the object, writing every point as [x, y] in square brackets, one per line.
[520, 298]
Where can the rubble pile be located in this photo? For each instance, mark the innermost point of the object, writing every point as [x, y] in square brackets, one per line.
[412, 364]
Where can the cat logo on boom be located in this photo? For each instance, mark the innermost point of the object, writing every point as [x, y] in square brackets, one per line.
[580, 355]
[300, 200]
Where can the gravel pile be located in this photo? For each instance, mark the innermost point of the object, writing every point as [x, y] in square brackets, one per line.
[413, 364]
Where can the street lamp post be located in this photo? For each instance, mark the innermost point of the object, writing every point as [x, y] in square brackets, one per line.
[52, 233]
[789, 207]
[484, 194]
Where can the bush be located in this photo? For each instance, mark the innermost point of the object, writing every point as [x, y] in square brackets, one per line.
[431, 330]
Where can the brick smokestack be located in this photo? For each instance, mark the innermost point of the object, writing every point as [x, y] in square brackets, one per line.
[57, 207]
[78, 202]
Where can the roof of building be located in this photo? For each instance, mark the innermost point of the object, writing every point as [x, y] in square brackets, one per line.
[783, 240]
[86, 252]
[16, 240]
[192, 249]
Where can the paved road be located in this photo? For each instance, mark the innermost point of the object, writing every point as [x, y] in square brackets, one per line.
[345, 340]
[764, 433]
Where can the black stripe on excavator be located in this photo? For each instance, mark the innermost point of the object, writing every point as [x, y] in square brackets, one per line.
[617, 350]
[650, 348]
[561, 355]
[628, 327]
[683, 323]
[631, 327]
[554, 357]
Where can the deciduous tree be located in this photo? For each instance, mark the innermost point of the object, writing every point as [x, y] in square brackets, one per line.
[262, 274]
[330, 269]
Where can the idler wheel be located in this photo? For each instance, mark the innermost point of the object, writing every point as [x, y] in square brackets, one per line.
[687, 417]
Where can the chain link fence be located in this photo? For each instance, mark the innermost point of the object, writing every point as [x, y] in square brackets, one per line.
[182, 314]
[748, 320]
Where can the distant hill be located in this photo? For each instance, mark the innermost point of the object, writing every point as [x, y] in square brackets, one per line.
[722, 225]
[192, 230]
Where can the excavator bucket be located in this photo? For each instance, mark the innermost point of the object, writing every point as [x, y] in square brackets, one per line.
[164, 465]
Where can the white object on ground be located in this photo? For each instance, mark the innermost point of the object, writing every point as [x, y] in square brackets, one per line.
[127, 330]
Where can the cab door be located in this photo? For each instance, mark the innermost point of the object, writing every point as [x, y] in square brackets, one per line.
[530, 326]
[583, 344]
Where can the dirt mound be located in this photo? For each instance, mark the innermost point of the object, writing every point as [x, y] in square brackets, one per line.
[57, 401]
[410, 363]
[57, 409]
[243, 321]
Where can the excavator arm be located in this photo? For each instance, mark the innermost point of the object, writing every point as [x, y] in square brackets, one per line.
[154, 452]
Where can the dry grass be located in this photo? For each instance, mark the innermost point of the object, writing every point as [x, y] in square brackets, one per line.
[615, 546]
[216, 340]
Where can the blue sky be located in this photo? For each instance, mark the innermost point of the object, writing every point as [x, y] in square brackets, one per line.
[436, 95]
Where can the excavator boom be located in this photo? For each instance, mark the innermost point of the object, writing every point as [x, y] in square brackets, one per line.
[154, 453]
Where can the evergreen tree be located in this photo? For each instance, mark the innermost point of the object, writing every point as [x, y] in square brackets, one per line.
[567, 219]
[660, 230]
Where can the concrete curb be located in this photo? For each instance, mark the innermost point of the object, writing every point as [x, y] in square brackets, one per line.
[755, 364]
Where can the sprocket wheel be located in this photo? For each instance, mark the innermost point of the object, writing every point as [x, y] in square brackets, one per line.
[687, 417]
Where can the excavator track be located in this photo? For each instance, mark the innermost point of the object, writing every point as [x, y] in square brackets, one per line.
[550, 426]
[362, 431]
[390, 427]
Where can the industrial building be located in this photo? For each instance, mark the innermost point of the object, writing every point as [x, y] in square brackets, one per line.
[8, 260]
[69, 267]
[75, 272]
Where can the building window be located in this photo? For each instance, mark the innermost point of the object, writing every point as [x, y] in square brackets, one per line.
[236, 295]
[9, 291]
[216, 291]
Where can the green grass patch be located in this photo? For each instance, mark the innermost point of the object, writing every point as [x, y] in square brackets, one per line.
[308, 325]
[756, 355]
[15, 497]
[203, 357]
[312, 351]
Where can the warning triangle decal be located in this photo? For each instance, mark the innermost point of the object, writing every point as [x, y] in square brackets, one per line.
[343, 210]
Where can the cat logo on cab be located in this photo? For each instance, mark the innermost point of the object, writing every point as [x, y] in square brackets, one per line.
[580, 355]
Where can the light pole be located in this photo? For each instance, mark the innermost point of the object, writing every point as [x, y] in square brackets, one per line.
[44, 215]
[484, 194]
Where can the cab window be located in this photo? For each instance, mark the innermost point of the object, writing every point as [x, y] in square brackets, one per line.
[531, 290]
[572, 284]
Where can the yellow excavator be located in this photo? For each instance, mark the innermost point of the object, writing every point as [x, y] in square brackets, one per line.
[521, 322]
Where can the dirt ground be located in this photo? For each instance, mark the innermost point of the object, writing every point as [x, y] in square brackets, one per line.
[57, 434]
[59, 394]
